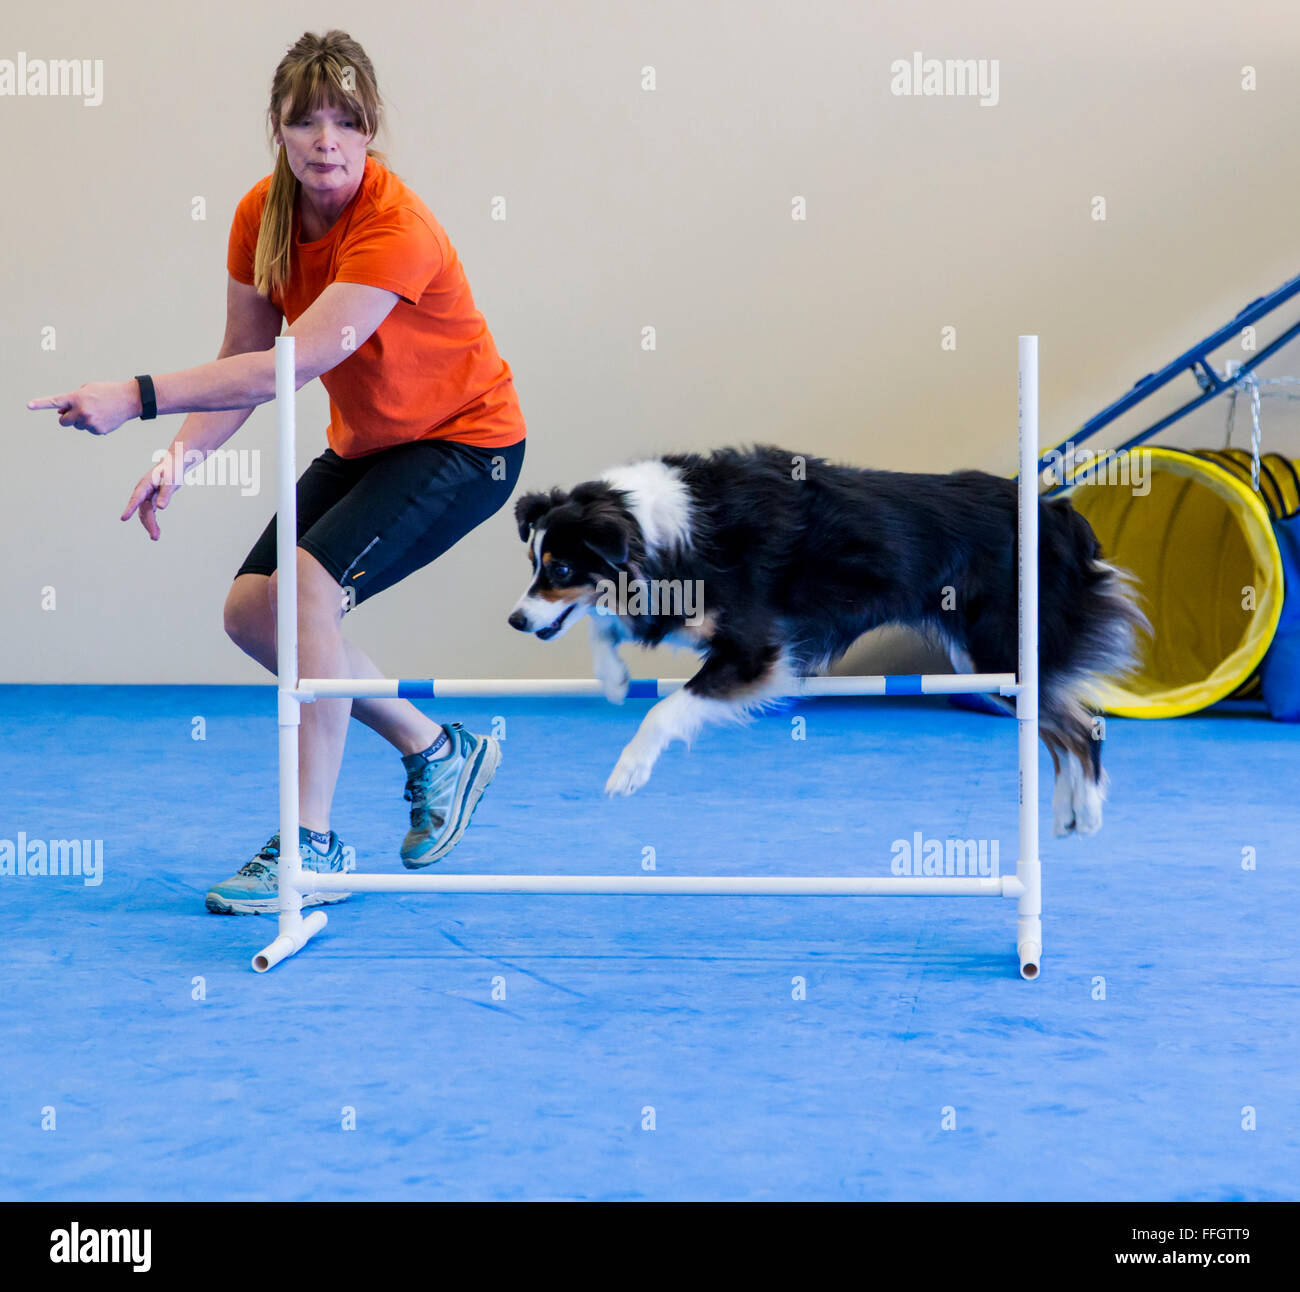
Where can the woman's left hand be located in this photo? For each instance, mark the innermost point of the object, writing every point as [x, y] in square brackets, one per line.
[99, 407]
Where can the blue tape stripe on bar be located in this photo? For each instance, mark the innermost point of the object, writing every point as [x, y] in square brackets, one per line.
[415, 689]
[903, 684]
[643, 688]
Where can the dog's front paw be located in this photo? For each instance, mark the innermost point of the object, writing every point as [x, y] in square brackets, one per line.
[629, 774]
[614, 679]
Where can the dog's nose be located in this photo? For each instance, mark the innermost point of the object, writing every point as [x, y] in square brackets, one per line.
[518, 620]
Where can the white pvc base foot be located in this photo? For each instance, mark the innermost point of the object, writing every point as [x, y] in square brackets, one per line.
[287, 943]
[1029, 945]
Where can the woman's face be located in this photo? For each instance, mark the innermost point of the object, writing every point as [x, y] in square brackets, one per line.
[326, 150]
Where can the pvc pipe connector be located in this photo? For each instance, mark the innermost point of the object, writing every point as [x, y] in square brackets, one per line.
[287, 943]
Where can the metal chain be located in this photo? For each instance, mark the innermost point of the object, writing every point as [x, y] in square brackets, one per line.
[1249, 382]
[1254, 433]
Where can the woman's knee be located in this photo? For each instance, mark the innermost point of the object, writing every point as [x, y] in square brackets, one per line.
[320, 599]
[247, 615]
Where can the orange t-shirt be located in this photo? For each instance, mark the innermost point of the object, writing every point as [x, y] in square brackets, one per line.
[431, 369]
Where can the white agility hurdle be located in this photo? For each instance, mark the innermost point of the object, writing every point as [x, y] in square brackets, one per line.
[295, 929]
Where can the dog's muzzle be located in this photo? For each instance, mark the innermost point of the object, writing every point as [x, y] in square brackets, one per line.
[545, 634]
[519, 619]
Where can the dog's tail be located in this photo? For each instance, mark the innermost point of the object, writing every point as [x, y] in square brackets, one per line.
[1091, 624]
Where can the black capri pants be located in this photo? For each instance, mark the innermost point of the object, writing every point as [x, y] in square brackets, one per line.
[371, 521]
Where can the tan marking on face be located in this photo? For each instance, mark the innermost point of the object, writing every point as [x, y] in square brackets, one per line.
[561, 594]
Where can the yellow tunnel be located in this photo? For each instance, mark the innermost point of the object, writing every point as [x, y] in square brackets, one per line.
[1201, 544]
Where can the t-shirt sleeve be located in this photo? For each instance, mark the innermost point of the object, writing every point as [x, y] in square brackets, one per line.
[244, 229]
[396, 250]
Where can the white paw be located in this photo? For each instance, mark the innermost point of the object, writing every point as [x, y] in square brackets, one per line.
[1062, 808]
[614, 678]
[1076, 803]
[1087, 808]
[629, 774]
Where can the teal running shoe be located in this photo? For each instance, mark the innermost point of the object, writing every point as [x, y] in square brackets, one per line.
[444, 792]
[254, 889]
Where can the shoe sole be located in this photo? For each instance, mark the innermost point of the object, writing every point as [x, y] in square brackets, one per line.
[267, 906]
[488, 761]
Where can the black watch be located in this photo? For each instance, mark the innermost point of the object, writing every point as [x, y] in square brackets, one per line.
[148, 401]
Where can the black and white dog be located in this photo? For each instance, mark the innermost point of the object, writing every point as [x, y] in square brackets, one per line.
[796, 558]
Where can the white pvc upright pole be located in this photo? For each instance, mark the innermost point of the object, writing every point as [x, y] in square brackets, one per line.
[294, 930]
[1029, 924]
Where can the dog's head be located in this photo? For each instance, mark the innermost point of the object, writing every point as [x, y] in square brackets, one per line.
[576, 541]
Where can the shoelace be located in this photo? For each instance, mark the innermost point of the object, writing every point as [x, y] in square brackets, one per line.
[417, 794]
[270, 850]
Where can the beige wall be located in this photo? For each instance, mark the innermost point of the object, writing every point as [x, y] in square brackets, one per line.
[626, 209]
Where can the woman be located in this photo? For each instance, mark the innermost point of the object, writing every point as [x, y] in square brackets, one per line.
[426, 438]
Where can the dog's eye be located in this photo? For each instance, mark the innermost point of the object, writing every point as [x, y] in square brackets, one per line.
[559, 570]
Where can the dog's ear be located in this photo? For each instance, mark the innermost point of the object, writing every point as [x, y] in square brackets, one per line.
[527, 509]
[608, 538]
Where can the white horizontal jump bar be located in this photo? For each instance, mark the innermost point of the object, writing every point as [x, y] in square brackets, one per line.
[700, 885]
[391, 688]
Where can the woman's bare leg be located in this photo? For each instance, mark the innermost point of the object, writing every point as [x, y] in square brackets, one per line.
[322, 652]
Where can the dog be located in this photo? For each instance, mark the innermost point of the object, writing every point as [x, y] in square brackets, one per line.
[797, 558]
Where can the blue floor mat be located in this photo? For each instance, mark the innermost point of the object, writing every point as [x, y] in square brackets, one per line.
[650, 1047]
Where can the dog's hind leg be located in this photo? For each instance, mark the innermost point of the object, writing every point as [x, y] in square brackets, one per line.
[1065, 723]
[735, 679]
[1063, 782]
[1068, 730]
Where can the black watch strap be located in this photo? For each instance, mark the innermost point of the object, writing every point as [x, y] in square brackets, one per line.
[148, 401]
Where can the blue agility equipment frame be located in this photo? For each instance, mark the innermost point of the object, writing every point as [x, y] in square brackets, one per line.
[1197, 362]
